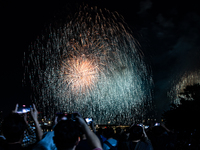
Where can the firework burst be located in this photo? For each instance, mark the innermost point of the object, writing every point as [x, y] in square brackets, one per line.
[80, 74]
[91, 65]
[187, 79]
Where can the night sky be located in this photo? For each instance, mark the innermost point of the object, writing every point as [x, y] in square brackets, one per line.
[168, 31]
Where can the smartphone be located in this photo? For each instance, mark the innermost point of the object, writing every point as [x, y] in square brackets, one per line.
[23, 109]
[157, 124]
[141, 125]
[88, 120]
[61, 116]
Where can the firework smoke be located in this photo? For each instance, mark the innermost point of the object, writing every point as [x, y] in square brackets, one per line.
[91, 64]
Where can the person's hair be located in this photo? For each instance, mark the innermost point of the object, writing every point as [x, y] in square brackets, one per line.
[136, 133]
[100, 131]
[13, 127]
[118, 130]
[109, 132]
[157, 130]
[66, 134]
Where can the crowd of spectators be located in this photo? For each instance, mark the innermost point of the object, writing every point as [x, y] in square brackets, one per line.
[73, 133]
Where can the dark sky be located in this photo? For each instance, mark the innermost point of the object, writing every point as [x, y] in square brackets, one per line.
[169, 33]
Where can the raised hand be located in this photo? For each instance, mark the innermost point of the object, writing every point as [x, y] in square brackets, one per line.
[34, 113]
[16, 109]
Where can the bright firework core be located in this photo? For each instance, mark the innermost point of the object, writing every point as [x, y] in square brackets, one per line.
[80, 74]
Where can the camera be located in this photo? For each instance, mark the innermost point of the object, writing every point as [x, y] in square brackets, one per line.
[72, 116]
[69, 116]
[66, 116]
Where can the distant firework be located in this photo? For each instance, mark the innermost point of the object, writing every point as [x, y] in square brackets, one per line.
[91, 64]
[187, 79]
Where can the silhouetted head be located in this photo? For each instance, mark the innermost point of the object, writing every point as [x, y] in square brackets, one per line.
[100, 131]
[66, 134]
[158, 130]
[136, 133]
[119, 130]
[13, 128]
[109, 132]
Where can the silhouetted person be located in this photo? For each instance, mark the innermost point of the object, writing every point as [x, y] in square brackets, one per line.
[100, 135]
[66, 134]
[161, 138]
[13, 128]
[109, 134]
[118, 134]
[138, 140]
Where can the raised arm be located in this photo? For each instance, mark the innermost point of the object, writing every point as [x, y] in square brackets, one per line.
[93, 140]
[162, 125]
[144, 133]
[34, 114]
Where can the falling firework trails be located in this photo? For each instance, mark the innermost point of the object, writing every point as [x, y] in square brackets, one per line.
[91, 65]
[188, 78]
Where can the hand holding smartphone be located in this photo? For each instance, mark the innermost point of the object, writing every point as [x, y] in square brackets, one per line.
[23, 109]
[157, 124]
[88, 120]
